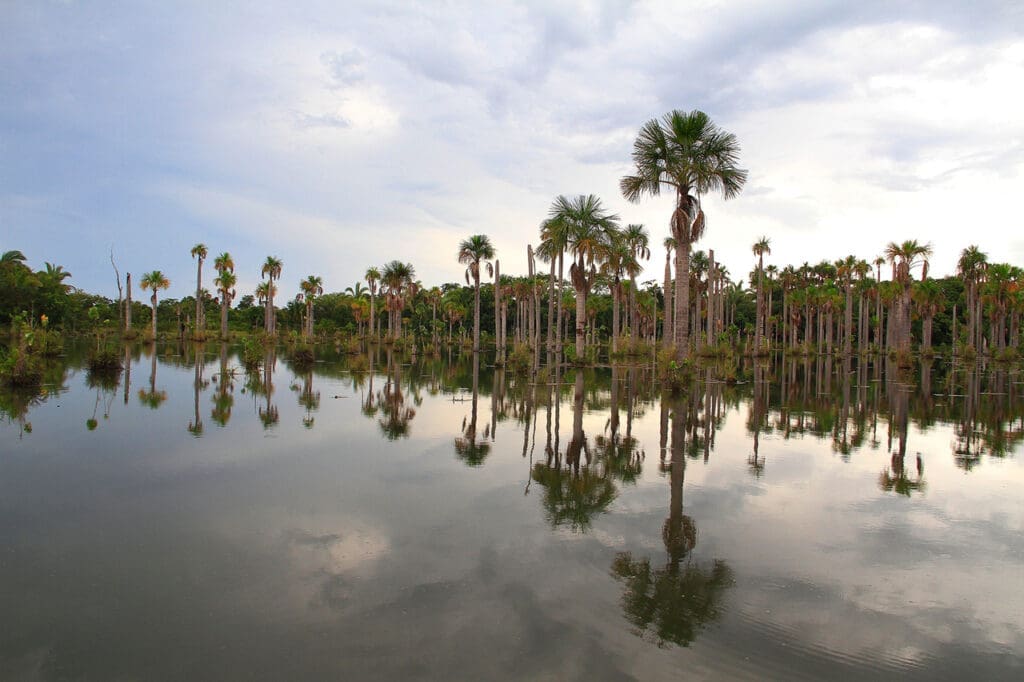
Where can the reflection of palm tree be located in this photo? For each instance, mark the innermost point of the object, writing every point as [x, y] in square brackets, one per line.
[578, 492]
[309, 399]
[152, 398]
[224, 399]
[467, 448]
[154, 280]
[397, 415]
[264, 386]
[673, 603]
[195, 426]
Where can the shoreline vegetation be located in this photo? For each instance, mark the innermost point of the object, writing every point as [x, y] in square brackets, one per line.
[580, 302]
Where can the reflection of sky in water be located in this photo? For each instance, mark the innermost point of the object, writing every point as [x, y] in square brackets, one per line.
[136, 550]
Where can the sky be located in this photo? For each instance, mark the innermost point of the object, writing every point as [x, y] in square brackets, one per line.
[338, 136]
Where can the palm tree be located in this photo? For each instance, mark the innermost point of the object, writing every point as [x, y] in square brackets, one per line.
[617, 261]
[904, 258]
[372, 278]
[846, 269]
[399, 282]
[473, 251]
[691, 155]
[971, 267]
[590, 230]
[225, 281]
[554, 237]
[199, 252]
[271, 270]
[929, 300]
[760, 248]
[311, 287]
[154, 280]
[668, 329]
[638, 240]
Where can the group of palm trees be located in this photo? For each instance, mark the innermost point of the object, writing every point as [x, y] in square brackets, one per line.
[225, 282]
[687, 155]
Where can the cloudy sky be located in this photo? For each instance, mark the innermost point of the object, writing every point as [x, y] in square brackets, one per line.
[342, 135]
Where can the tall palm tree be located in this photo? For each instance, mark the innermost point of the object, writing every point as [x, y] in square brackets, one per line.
[591, 231]
[686, 153]
[372, 278]
[311, 287]
[475, 251]
[929, 300]
[554, 235]
[846, 269]
[399, 283]
[225, 281]
[271, 270]
[638, 240]
[199, 252]
[904, 258]
[668, 328]
[971, 267]
[154, 280]
[617, 261]
[761, 247]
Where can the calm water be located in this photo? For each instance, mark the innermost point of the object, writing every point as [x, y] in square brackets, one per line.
[377, 518]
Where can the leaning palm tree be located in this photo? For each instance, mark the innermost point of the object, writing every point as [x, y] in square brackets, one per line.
[761, 247]
[686, 153]
[311, 287]
[225, 281]
[474, 251]
[271, 270]
[199, 252]
[591, 230]
[372, 278]
[154, 280]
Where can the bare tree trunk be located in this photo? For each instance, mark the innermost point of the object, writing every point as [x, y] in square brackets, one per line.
[128, 303]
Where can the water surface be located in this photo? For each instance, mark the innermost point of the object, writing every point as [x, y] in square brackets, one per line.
[387, 517]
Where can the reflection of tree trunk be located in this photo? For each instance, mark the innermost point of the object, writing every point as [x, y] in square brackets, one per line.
[197, 383]
[577, 443]
[127, 371]
[674, 537]
[152, 372]
[613, 420]
[476, 394]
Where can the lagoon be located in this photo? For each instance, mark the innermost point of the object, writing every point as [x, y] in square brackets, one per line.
[381, 516]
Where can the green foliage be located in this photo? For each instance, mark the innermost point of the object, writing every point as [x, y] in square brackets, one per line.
[104, 360]
[252, 353]
[520, 360]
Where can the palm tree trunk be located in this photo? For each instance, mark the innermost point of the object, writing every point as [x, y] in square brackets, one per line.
[561, 314]
[476, 312]
[373, 313]
[498, 327]
[581, 321]
[668, 332]
[153, 299]
[200, 322]
[848, 320]
[551, 308]
[224, 315]
[682, 301]
[615, 315]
